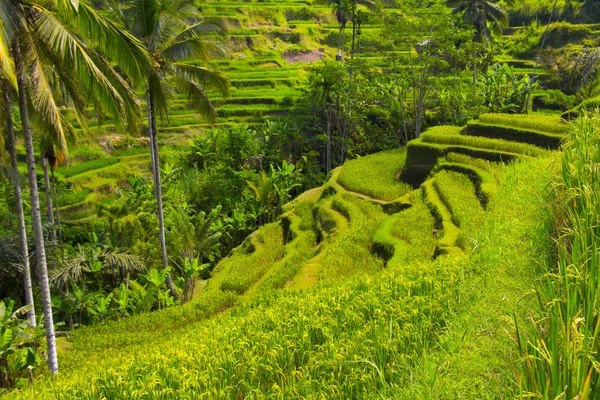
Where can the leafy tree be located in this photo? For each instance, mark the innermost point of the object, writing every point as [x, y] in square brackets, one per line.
[171, 39]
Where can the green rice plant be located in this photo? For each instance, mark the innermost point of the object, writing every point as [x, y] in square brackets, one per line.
[400, 241]
[457, 192]
[419, 236]
[421, 158]
[376, 175]
[536, 138]
[458, 158]
[80, 168]
[559, 349]
[352, 243]
[434, 136]
[343, 341]
[444, 220]
[537, 122]
[249, 262]
[484, 182]
[300, 246]
[67, 198]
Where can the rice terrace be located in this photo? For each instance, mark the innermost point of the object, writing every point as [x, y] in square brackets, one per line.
[300, 199]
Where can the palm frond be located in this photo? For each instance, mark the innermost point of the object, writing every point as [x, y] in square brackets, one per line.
[12, 175]
[196, 30]
[194, 49]
[112, 39]
[42, 99]
[208, 78]
[127, 263]
[198, 97]
[75, 54]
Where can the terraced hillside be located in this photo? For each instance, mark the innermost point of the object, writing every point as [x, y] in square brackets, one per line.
[306, 300]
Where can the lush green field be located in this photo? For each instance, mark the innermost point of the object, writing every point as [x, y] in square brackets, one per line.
[341, 299]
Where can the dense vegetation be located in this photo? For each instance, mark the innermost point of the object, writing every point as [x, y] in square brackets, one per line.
[214, 207]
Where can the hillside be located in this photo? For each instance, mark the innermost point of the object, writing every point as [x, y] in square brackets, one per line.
[363, 283]
[353, 199]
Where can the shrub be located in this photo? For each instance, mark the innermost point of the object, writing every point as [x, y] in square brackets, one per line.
[553, 100]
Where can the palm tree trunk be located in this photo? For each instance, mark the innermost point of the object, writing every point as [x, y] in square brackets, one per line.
[19, 208]
[56, 202]
[328, 140]
[157, 189]
[353, 28]
[474, 77]
[36, 217]
[49, 209]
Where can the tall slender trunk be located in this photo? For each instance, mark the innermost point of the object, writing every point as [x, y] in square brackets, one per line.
[474, 77]
[353, 29]
[49, 210]
[158, 189]
[28, 291]
[328, 140]
[56, 205]
[340, 54]
[40, 251]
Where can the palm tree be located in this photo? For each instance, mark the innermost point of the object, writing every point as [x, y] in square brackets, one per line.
[40, 38]
[487, 18]
[357, 18]
[10, 130]
[343, 13]
[174, 34]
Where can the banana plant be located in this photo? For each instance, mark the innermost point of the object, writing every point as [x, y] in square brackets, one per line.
[13, 339]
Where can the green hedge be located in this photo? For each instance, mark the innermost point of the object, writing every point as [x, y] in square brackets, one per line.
[536, 138]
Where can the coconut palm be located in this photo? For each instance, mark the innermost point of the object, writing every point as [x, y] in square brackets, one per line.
[487, 18]
[40, 38]
[343, 10]
[358, 17]
[174, 34]
[6, 108]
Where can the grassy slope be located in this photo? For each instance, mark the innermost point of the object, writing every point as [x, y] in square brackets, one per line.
[345, 327]
[474, 358]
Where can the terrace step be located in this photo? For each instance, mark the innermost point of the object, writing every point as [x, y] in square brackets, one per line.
[536, 138]
[445, 221]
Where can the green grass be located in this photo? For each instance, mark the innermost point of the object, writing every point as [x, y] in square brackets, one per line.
[559, 345]
[436, 137]
[538, 122]
[537, 138]
[476, 356]
[251, 261]
[80, 168]
[375, 175]
[445, 221]
[458, 193]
